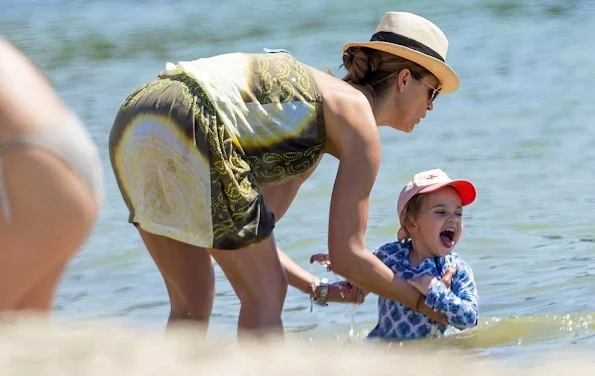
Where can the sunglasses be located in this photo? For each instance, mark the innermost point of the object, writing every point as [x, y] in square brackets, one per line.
[432, 91]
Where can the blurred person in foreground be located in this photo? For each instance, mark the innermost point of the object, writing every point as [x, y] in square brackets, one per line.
[50, 185]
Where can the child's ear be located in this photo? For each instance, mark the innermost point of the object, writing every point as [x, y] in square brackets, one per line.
[402, 234]
[411, 226]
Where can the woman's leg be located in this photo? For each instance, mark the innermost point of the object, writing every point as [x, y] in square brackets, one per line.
[259, 281]
[189, 277]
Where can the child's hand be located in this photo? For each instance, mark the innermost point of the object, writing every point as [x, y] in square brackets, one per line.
[345, 292]
[447, 278]
[322, 259]
[342, 291]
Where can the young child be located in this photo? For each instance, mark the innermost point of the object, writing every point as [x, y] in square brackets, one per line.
[430, 210]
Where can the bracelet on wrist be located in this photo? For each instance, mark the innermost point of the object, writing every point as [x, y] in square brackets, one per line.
[320, 289]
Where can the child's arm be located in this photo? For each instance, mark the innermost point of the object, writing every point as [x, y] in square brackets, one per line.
[458, 305]
[390, 254]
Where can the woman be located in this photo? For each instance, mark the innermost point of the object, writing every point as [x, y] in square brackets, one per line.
[50, 185]
[209, 156]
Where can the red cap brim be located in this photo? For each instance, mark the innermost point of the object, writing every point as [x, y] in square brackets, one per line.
[465, 188]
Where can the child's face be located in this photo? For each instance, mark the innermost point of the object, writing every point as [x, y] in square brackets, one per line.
[439, 224]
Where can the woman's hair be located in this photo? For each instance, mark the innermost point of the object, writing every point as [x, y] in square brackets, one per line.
[411, 211]
[366, 66]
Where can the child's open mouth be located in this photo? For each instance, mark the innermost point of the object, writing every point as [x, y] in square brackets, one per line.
[447, 238]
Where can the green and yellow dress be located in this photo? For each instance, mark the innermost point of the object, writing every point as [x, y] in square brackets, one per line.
[191, 149]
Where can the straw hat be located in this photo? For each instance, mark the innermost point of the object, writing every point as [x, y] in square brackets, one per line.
[416, 39]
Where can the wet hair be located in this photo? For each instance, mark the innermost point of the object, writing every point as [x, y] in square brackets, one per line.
[378, 69]
[411, 211]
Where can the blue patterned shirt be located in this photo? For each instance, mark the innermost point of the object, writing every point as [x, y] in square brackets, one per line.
[458, 305]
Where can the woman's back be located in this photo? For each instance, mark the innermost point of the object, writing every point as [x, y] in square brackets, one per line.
[269, 103]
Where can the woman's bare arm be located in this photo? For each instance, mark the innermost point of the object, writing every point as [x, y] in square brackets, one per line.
[353, 131]
[278, 199]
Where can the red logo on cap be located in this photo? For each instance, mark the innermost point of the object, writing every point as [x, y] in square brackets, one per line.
[429, 177]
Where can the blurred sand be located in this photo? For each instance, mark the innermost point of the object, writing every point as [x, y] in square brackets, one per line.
[33, 346]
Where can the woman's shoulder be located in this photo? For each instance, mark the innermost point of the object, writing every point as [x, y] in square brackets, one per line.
[336, 91]
[349, 121]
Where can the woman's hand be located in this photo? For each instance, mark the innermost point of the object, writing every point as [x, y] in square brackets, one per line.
[424, 282]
